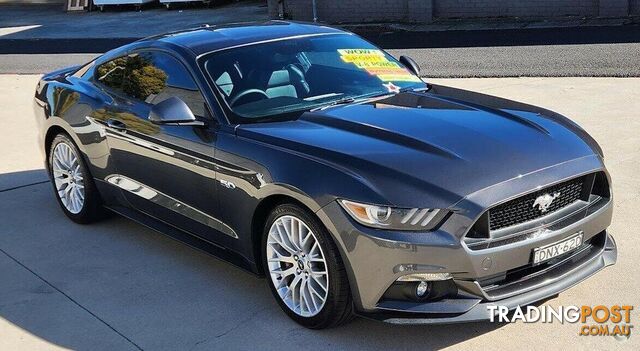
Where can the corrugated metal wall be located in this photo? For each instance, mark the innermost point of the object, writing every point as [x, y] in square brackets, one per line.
[514, 8]
[426, 10]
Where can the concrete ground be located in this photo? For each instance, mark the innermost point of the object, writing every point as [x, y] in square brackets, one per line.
[48, 22]
[118, 285]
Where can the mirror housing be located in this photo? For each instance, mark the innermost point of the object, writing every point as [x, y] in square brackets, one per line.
[173, 111]
[410, 64]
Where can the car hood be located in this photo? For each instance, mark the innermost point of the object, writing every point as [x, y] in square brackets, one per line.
[426, 149]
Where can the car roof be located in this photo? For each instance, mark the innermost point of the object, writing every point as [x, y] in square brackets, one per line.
[209, 38]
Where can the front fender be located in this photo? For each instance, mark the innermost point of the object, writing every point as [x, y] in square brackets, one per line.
[249, 172]
[61, 106]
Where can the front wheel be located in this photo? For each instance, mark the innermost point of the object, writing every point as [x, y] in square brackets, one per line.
[73, 185]
[304, 269]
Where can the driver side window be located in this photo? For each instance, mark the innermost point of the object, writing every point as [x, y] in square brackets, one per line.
[156, 76]
[152, 77]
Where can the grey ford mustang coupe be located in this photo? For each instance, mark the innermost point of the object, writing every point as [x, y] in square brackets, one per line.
[310, 156]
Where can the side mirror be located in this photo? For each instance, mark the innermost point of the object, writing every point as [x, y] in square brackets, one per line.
[410, 64]
[173, 111]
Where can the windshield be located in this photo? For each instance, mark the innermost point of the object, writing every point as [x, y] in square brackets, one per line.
[277, 79]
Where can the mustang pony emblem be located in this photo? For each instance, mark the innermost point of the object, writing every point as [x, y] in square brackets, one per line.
[544, 201]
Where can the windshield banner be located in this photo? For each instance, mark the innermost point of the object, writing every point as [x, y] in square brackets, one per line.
[375, 62]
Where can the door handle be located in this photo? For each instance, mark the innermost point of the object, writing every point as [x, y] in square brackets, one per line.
[117, 125]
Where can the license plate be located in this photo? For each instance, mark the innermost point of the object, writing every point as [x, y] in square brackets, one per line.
[548, 252]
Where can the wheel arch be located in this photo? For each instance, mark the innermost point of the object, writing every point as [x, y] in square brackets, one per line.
[51, 134]
[58, 128]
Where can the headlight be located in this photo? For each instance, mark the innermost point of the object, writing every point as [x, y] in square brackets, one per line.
[385, 217]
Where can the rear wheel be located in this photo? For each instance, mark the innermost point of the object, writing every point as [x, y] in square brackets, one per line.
[73, 185]
[304, 268]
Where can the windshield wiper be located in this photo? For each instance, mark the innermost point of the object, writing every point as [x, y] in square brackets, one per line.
[413, 89]
[351, 99]
[341, 101]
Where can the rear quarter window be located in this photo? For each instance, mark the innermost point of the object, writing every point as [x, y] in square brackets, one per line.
[112, 73]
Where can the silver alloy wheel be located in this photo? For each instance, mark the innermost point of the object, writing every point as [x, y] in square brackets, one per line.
[68, 178]
[297, 266]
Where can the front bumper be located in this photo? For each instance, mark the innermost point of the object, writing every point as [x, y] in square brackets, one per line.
[375, 259]
[471, 309]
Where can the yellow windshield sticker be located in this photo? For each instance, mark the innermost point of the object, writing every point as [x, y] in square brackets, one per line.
[358, 56]
[375, 62]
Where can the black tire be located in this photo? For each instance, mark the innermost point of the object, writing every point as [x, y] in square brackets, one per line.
[92, 209]
[338, 308]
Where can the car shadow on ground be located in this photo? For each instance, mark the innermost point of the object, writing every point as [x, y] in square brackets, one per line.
[9, 181]
[116, 284]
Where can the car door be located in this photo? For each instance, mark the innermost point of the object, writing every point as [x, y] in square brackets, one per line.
[166, 171]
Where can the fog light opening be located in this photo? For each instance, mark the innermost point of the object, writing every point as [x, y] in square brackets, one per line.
[422, 289]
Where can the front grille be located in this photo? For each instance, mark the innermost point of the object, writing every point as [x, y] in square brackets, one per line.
[521, 210]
